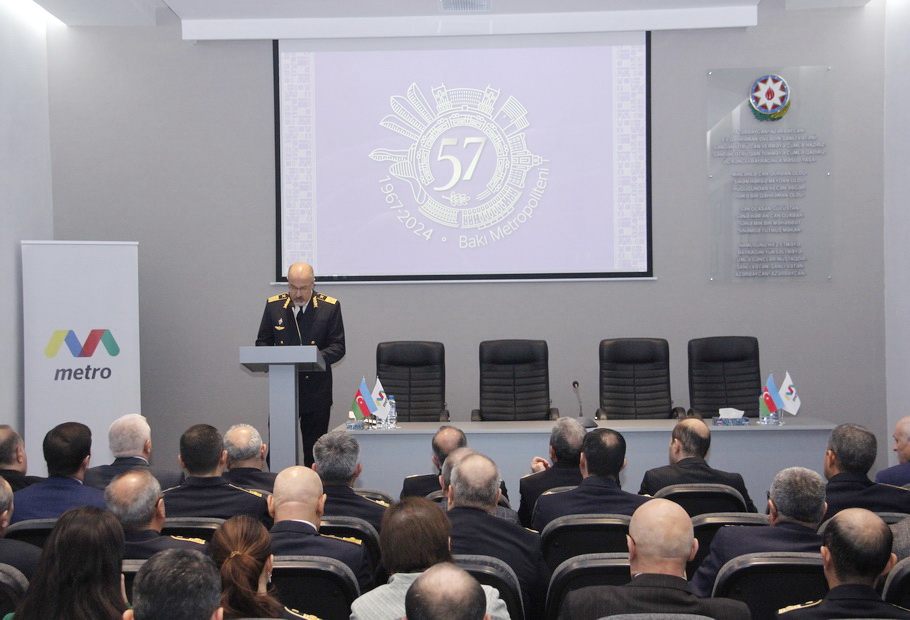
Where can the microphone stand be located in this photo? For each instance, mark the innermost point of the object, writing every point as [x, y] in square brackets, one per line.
[586, 422]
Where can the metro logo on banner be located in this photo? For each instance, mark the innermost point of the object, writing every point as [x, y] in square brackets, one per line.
[60, 336]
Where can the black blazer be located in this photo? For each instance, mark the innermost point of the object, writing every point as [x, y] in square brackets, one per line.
[595, 495]
[299, 538]
[532, 486]
[848, 490]
[692, 470]
[101, 476]
[251, 478]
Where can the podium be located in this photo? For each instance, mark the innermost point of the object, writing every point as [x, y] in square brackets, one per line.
[282, 364]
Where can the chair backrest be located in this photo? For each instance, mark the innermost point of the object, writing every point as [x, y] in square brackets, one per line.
[493, 572]
[770, 581]
[897, 585]
[321, 586]
[888, 517]
[706, 525]
[590, 569]
[358, 529]
[701, 498]
[191, 527]
[374, 494]
[32, 531]
[724, 371]
[414, 371]
[635, 378]
[514, 380]
[129, 568]
[573, 535]
[13, 585]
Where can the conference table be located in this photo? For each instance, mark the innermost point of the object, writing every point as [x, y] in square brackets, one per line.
[756, 451]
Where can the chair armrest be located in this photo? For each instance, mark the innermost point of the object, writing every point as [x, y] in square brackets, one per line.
[678, 413]
[475, 416]
[600, 414]
[554, 413]
[444, 415]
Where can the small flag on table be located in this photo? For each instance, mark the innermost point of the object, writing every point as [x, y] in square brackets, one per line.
[790, 397]
[771, 390]
[363, 404]
[381, 400]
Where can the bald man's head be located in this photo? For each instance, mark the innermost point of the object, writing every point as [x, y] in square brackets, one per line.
[12, 449]
[857, 547]
[446, 440]
[901, 437]
[662, 540]
[445, 592]
[134, 497]
[301, 281]
[475, 483]
[691, 438]
[297, 495]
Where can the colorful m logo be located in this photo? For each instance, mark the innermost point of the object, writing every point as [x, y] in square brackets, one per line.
[78, 349]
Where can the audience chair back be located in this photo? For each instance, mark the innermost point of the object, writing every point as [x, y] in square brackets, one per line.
[514, 381]
[897, 585]
[724, 371]
[129, 569]
[702, 498]
[888, 517]
[32, 531]
[493, 572]
[770, 581]
[573, 535]
[439, 497]
[357, 529]
[13, 585]
[707, 525]
[374, 494]
[320, 586]
[191, 527]
[635, 379]
[590, 569]
[414, 371]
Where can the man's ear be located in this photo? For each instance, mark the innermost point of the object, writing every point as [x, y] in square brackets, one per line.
[450, 495]
[20, 454]
[263, 451]
[218, 614]
[694, 549]
[891, 562]
[269, 502]
[4, 520]
[320, 506]
[583, 465]
[128, 614]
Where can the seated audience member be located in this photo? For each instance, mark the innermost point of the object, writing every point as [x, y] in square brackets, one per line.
[661, 541]
[856, 552]
[13, 460]
[297, 506]
[67, 451]
[78, 576]
[415, 536]
[445, 592]
[689, 446]
[177, 584]
[130, 440]
[475, 530]
[566, 439]
[848, 459]
[898, 475]
[337, 456]
[16, 553]
[796, 503]
[135, 499]
[603, 456]
[445, 480]
[205, 493]
[246, 458]
[901, 532]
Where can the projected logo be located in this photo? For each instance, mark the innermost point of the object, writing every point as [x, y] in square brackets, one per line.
[467, 164]
[78, 349]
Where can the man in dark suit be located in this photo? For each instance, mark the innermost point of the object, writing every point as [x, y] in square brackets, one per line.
[135, 499]
[177, 584]
[67, 450]
[304, 317]
[445, 478]
[246, 458]
[660, 541]
[13, 460]
[16, 553]
[857, 551]
[689, 446]
[338, 464]
[445, 441]
[130, 440]
[297, 507]
[205, 493]
[472, 498]
[566, 439]
[899, 474]
[603, 456]
[796, 503]
[848, 459]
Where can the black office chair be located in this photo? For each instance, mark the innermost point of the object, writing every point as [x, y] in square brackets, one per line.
[514, 381]
[357, 530]
[724, 371]
[32, 531]
[493, 572]
[414, 371]
[635, 380]
[439, 497]
[897, 585]
[13, 585]
[888, 517]
[770, 581]
[191, 527]
[590, 569]
[321, 586]
[129, 568]
[573, 535]
[706, 526]
[701, 498]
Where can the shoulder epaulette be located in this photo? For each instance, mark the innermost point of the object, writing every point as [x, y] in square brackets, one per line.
[297, 614]
[326, 298]
[195, 540]
[802, 606]
[250, 491]
[349, 539]
[416, 476]
[279, 297]
[378, 501]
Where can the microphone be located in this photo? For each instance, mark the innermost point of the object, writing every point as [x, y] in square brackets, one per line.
[586, 422]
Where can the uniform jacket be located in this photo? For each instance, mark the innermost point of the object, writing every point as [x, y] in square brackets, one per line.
[213, 496]
[251, 478]
[101, 476]
[53, 496]
[17, 480]
[846, 601]
[692, 470]
[532, 486]
[342, 501]
[849, 490]
[421, 485]
[299, 538]
[899, 475]
[595, 495]
[143, 544]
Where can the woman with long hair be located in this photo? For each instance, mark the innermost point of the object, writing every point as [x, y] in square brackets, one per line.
[78, 576]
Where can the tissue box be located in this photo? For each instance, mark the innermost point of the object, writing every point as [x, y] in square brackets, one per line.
[719, 421]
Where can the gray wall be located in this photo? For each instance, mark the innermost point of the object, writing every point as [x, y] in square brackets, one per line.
[170, 143]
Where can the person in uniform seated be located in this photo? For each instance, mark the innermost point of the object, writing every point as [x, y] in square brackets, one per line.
[246, 458]
[603, 456]
[415, 536]
[689, 446]
[472, 497]
[297, 506]
[205, 493]
[13, 460]
[135, 499]
[796, 503]
[661, 542]
[130, 440]
[445, 592]
[445, 480]
[561, 470]
[899, 474]
[177, 584]
[67, 452]
[850, 455]
[445, 441]
[338, 464]
[16, 553]
[857, 551]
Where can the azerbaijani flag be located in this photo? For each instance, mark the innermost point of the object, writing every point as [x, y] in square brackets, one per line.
[789, 396]
[771, 389]
[767, 403]
[381, 400]
[363, 404]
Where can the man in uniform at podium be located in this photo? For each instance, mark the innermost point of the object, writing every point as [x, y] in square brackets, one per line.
[303, 316]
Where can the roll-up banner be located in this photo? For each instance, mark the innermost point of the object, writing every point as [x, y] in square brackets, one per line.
[81, 339]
